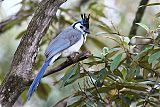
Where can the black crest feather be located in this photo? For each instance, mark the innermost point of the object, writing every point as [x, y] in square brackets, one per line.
[85, 20]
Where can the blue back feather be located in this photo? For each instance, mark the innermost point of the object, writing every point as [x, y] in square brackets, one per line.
[37, 79]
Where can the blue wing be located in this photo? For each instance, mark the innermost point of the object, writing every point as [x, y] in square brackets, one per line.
[64, 40]
[56, 47]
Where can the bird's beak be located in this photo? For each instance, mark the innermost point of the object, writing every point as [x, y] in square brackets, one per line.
[87, 31]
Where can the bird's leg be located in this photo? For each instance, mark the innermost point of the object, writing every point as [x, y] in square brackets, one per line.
[75, 53]
[73, 56]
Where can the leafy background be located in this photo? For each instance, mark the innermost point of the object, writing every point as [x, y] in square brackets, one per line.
[117, 74]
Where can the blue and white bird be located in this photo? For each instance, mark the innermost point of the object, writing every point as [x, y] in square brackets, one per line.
[67, 42]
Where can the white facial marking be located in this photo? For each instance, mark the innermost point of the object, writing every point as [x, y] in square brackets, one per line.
[77, 26]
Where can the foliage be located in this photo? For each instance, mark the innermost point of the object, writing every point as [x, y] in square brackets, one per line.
[116, 75]
[124, 78]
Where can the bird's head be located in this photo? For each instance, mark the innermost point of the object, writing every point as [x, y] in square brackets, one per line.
[82, 25]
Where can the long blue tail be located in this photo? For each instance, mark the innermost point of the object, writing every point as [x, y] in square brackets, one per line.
[37, 79]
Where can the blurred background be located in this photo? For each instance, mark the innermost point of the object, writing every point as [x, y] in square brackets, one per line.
[106, 16]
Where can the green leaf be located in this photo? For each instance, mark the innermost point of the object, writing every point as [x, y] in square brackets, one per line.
[140, 103]
[118, 73]
[143, 26]
[77, 103]
[112, 52]
[74, 78]
[130, 74]
[124, 73]
[74, 70]
[103, 73]
[142, 54]
[116, 61]
[138, 87]
[154, 57]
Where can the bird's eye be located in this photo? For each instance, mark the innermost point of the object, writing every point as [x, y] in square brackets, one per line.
[81, 27]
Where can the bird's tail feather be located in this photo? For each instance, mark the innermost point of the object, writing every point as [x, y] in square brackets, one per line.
[37, 79]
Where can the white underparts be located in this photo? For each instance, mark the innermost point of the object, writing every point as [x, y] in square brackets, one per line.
[74, 48]
[54, 58]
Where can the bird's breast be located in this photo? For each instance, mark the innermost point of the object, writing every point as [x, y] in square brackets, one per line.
[74, 48]
[84, 37]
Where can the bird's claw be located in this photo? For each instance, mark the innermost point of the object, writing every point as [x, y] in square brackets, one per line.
[73, 56]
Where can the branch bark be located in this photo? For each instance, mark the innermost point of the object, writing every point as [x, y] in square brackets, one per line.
[67, 63]
[138, 18]
[21, 69]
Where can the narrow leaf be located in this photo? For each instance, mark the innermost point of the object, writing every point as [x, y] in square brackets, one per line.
[154, 57]
[103, 73]
[116, 61]
[143, 26]
[118, 73]
[69, 74]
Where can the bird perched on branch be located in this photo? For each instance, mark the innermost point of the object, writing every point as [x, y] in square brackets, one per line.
[67, 42]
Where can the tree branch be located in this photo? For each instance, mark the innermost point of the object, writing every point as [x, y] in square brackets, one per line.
[14, 20]
[19, 17]
[67, 63]
[138, 18]
[21, 69]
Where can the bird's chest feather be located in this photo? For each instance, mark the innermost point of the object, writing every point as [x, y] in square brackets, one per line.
[74, 48]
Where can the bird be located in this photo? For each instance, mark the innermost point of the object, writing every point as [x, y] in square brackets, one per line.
[64, 44]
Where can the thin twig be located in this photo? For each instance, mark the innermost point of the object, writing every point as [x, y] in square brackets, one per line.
[85, 95]
[138, 18]
[14, 20]
[93, 83]
[149, 93]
